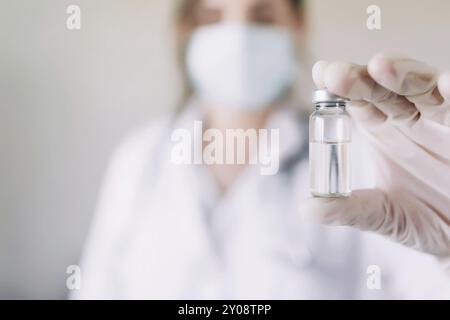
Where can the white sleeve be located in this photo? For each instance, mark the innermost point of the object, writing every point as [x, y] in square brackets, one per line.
[113, 211]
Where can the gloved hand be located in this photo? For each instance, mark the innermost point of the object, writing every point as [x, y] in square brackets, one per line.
[404, 108]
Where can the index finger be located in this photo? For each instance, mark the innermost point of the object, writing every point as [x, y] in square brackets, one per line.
[405, 76]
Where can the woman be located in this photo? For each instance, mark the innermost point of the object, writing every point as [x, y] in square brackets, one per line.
[215, 230]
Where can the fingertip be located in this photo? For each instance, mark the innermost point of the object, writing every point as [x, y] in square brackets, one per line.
[444, 85]
[318, 72]
[339, 77]
[381, 65]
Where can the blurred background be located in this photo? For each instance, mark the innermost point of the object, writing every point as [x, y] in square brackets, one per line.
[68, 97]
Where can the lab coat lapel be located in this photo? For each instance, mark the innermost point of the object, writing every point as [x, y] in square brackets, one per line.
[171, 241]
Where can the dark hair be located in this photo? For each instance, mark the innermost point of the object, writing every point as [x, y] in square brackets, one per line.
[297, 3]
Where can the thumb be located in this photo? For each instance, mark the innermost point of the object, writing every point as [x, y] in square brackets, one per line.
[400, 216]
[365, 210]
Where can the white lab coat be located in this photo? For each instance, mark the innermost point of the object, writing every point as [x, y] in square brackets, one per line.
[162, 231]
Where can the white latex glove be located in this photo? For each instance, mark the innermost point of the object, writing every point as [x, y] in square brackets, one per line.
[404, 108]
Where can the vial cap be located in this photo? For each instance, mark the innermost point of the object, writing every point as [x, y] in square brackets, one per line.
[323, 95]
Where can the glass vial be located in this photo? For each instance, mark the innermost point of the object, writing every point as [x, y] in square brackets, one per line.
[329, 146]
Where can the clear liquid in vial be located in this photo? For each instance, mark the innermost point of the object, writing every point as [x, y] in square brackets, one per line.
[330, 169]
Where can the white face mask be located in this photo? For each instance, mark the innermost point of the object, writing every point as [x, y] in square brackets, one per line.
[240, 66]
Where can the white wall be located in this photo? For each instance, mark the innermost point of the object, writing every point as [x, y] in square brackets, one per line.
[418, 28]
[66, 98]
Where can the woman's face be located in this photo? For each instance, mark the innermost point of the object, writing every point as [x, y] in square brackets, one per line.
[241, 54]
[265, 12]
